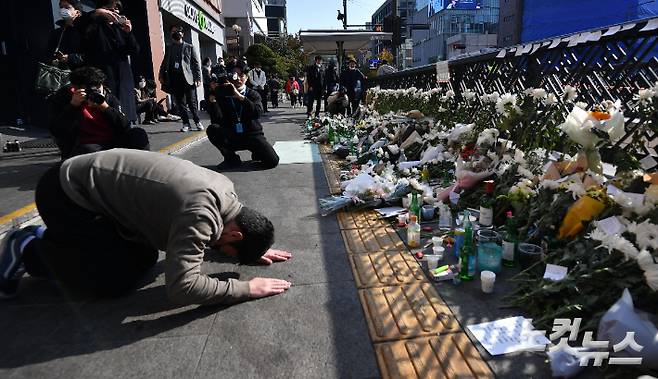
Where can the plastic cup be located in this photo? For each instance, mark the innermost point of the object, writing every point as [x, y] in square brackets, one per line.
[432, 261]
[438, 251]
[487, 278]
[437, 241]
[406, 202]
[428, 212]
[529, 254]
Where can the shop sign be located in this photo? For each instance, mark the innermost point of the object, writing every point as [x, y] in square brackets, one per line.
[193, 16]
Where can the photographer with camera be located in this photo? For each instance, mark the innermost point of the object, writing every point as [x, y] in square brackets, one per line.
[85, 117]
[234, 112]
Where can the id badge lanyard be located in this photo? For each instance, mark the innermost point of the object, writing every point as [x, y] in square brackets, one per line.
[238, 126]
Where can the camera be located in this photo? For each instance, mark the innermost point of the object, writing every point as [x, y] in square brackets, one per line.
[224, 87]
[95, 95]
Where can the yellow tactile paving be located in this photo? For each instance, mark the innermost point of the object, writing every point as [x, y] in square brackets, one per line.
[408, 311]
[446, 356]
[360, 241]
[385, 269]
[360, 220]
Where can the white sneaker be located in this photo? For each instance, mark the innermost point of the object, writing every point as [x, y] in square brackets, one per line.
[185, 128]
[199, 126]
[173, 117]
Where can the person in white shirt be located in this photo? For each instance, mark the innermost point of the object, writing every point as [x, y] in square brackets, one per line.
[258, 81]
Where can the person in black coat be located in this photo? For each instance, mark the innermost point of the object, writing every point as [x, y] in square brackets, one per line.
[107, 44]
[85, 117]
[65, 42]
[234, 112]
[354, 81]
[332, 81]
[315, 80]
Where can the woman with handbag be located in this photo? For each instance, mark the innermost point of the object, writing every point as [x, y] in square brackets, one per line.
[65, 42]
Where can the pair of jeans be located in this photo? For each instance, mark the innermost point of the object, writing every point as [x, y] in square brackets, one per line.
[263, 98]
[82, 249]
[257, 144]
[185, 101]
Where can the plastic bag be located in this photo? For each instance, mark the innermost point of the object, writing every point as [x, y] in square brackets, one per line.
[362, 183]
[622, 318]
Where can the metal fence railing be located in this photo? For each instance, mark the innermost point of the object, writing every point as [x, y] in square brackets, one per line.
[611, 63]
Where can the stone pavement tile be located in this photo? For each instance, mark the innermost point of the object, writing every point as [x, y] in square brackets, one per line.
[312, 331]
[142, 314]
[385, 269]
[444, 356]
[406, 312]
[360, 219]
[152, 358]
[360, 241]
[316, 259]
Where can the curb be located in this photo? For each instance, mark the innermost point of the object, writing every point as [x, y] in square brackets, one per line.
[29, 212]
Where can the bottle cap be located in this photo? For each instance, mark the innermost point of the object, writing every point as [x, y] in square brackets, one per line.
[413, 218]
[509, 214]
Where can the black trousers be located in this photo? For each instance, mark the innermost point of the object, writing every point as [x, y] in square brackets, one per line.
[134, 138]
[148, 107]
[314, 97]
[260, 149]
[274, 97]
[293, 99]
[83, 249]
[263, 98]
[185, 100]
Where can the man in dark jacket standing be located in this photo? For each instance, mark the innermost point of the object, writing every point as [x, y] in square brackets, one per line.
[234, 111]
[315, 79]
[180, 74]
[85, 117]
[354, 81]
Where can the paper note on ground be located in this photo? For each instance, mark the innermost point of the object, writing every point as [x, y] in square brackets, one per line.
[390, 211]
[555, 272]
[290, 152]
[508, 335]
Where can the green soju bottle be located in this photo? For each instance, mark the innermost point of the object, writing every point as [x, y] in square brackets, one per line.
[467, 257]
[414, 207]
[510, 242]
[331, 135]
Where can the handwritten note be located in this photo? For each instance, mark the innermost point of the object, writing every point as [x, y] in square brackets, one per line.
[508, 335]
[611, 225]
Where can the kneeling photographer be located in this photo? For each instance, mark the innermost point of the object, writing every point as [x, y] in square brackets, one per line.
[85, 117]
[234, 112]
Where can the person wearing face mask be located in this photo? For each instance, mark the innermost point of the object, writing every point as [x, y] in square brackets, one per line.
[234, 112]
[65, 42]
[85, 117]
[180, 73]
[354, 81]
[315, 79]
[108, 44]
[332, 82]
[146, 103]
[258, 81]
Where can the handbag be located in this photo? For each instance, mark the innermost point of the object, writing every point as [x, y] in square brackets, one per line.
[50, 78]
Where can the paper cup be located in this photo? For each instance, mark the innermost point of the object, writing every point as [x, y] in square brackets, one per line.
[438, 251]
[432, 261]
[488, 278]
[437, 241]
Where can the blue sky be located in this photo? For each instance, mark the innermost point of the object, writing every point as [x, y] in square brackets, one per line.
[321, 14]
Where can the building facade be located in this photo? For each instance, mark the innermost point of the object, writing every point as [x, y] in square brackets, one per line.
[510, 22]
[406, 9]
[473, 18]
[277, 18]
[246, 22]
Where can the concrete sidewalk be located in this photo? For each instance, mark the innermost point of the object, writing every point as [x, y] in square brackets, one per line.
[314, 330]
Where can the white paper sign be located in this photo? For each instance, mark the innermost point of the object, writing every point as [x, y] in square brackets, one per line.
[508, 335]
[636, 198]
[555, 272]
[611, 225]
[612, 31]
[442, 72]
[651, 25]
[609, 170]
[501, 53]
[612, 190]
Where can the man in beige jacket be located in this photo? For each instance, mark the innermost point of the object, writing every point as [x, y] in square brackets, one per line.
[107, 214]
